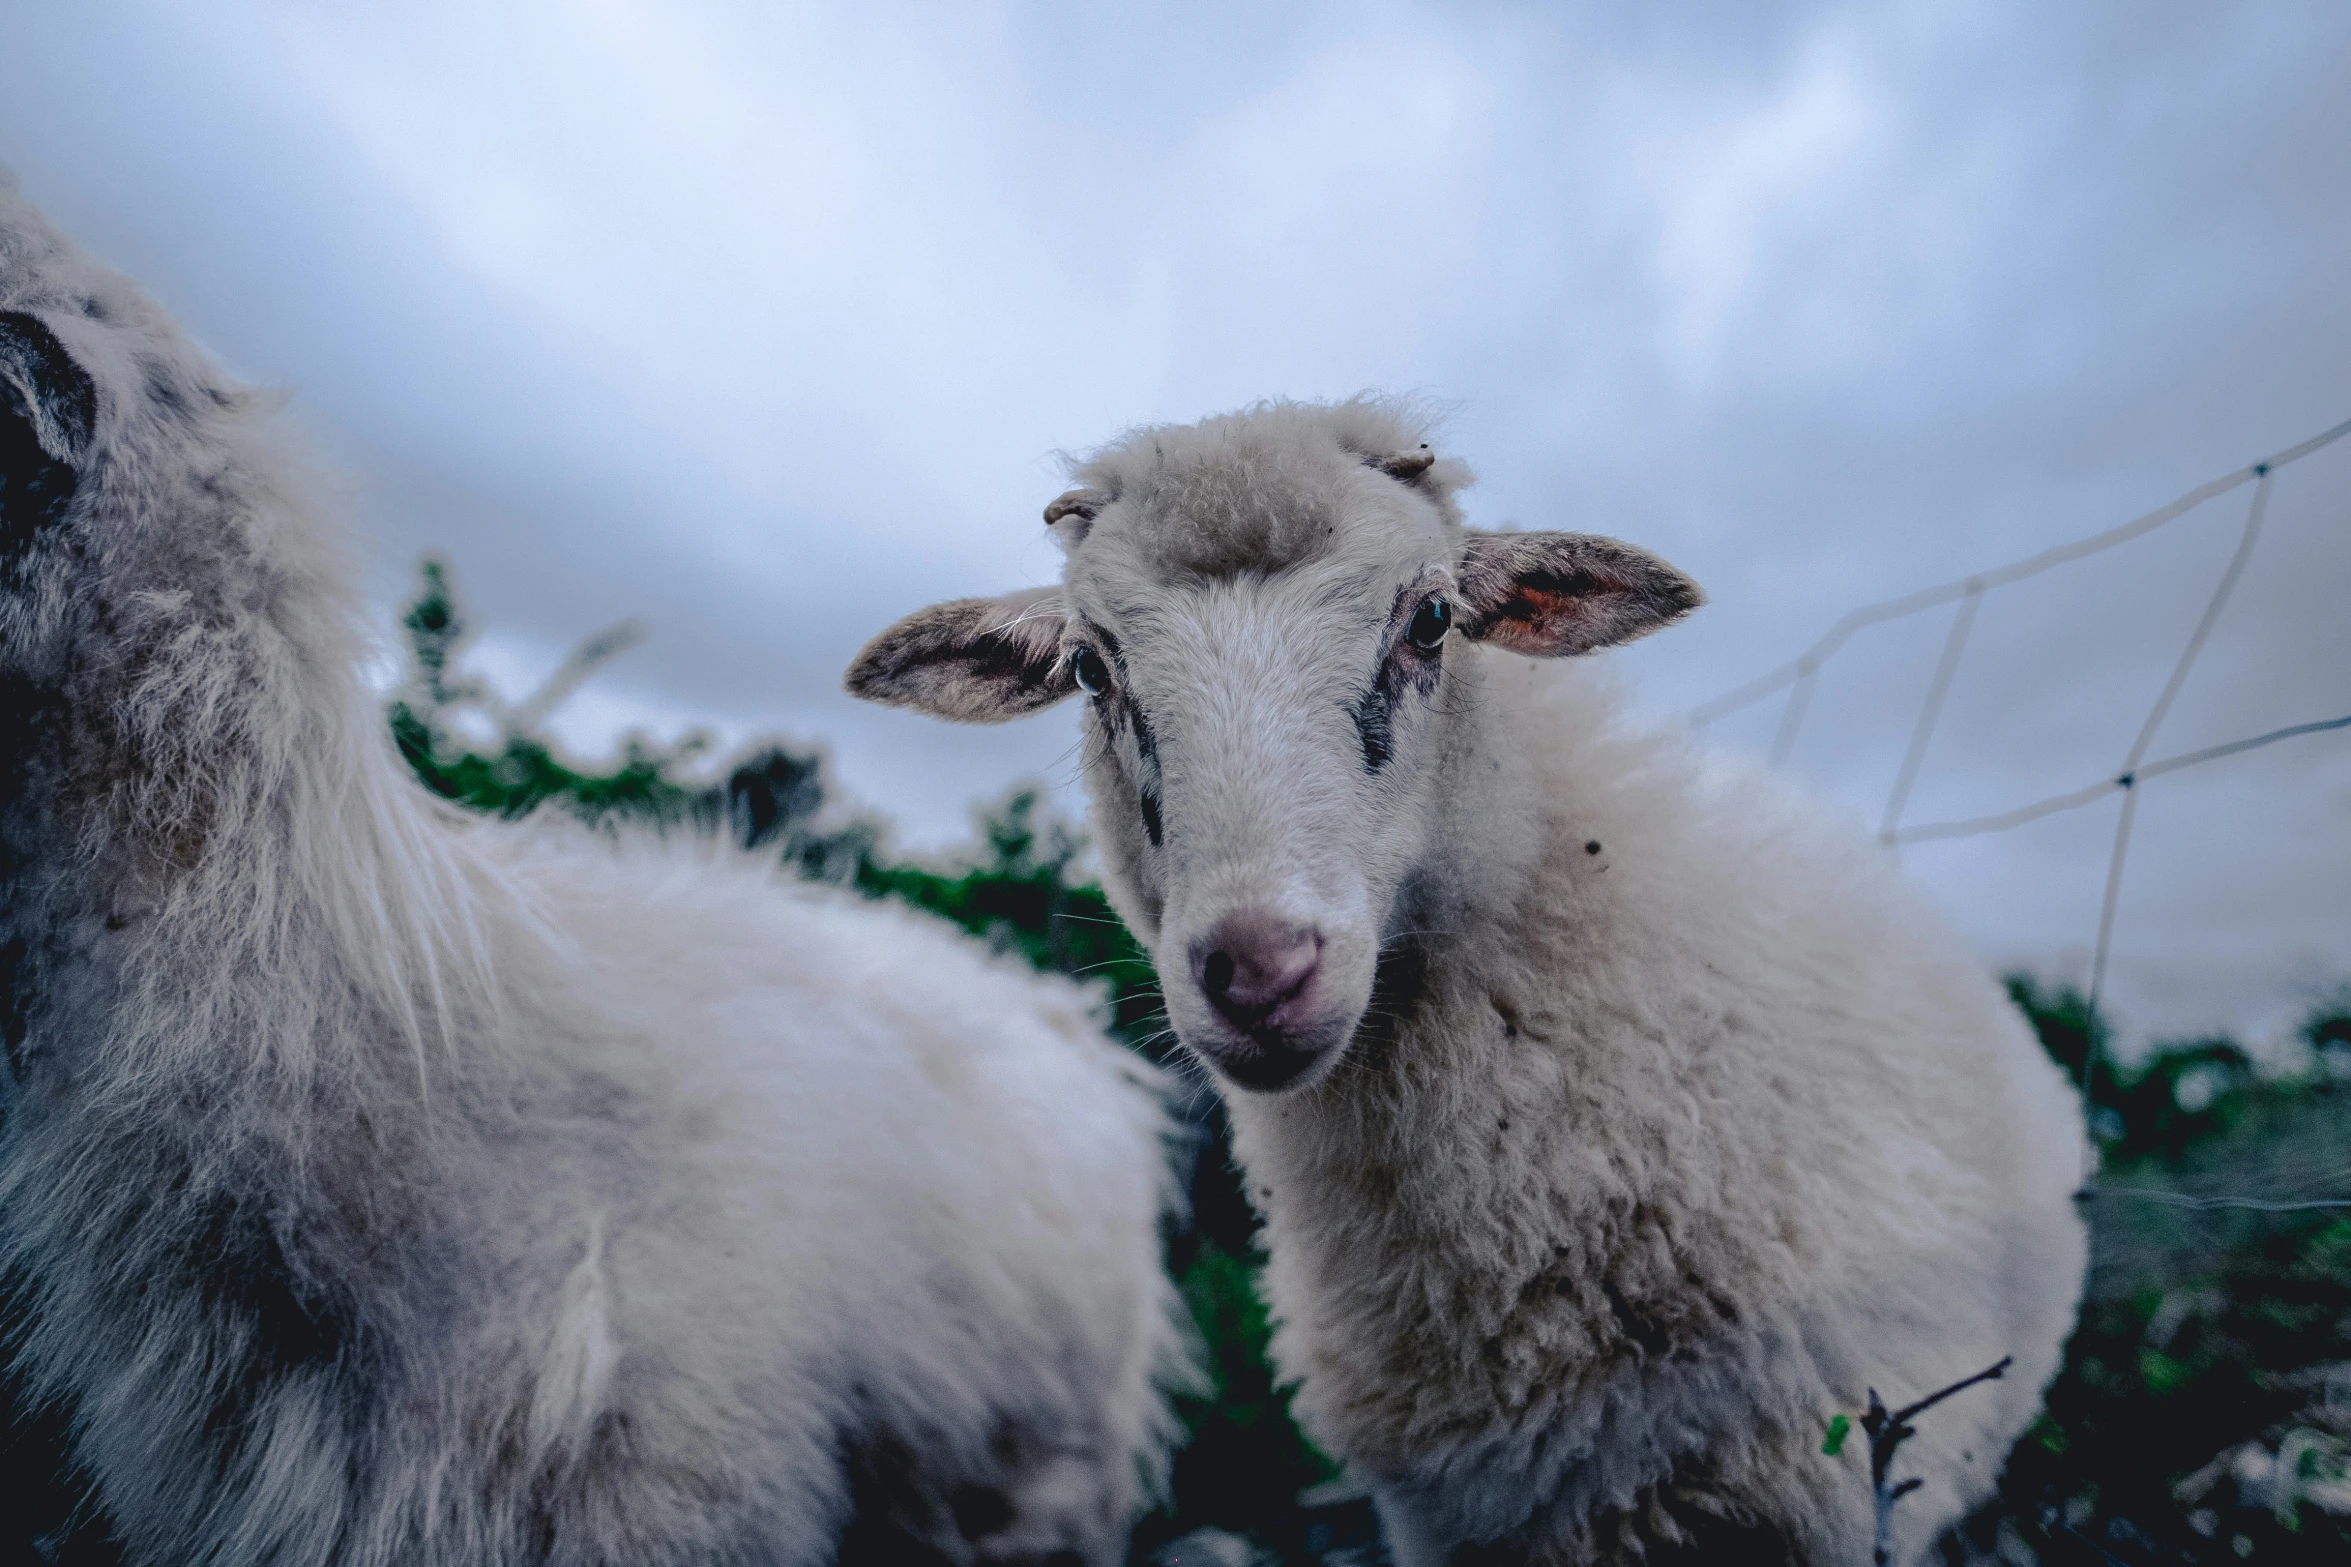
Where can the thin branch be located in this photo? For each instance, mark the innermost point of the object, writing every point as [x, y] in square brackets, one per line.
[1888, 1430]
[584, 661]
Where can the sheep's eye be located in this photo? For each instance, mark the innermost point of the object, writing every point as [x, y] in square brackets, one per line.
[1430, 622]
[1093, 676]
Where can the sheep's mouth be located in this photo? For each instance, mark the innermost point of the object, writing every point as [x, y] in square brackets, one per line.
[1267, 1066]
[1277, 1059]
[1273, 1060]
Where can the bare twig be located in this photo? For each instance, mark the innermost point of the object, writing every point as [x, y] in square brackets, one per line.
[1888, 1430]
[584, 661]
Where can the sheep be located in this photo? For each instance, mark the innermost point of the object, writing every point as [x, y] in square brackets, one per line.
[1616, 1117]
[379, 1185]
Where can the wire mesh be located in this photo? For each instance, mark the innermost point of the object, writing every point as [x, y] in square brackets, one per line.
[1799, 676]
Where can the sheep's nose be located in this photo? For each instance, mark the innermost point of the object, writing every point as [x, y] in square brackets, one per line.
[1252, 962]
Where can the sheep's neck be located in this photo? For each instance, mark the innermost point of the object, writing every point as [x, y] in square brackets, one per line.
[1418, 1150]
[201, 846]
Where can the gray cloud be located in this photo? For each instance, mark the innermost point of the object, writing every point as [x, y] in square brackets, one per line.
[764, 323]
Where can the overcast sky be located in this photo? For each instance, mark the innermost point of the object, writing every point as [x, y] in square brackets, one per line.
[765, 323]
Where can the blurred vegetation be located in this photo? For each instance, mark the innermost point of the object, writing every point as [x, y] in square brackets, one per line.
[2204, 1410]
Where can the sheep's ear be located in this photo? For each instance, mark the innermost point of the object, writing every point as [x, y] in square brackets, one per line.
[1555, 594]
[977, 661]
[48, 407]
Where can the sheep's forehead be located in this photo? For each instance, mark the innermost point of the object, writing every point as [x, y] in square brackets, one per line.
[1303, 521]
[1125, 576]
[1257, 492]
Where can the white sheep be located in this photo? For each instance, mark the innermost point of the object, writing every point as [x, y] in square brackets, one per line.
[380, 1186]
[1617, 1118]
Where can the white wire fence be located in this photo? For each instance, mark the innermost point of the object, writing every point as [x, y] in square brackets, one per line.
[1796, 679]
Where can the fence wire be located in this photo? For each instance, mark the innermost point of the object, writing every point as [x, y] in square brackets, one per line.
[1798, 675]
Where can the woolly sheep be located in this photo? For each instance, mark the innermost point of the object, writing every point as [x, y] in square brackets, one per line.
[382, 1186]
[1615, 1116]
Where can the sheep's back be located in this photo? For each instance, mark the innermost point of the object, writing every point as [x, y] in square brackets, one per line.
[849, 1178]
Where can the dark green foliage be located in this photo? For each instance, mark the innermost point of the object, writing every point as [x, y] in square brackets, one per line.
[1244, 1467]
[2061, 1016]
[2327, 1032]
[1220, 1292]
[2179, 1096]
[519, 771]
[1245, 1463]
[2204, 1330]
[2167, 1377]
[1021, 896]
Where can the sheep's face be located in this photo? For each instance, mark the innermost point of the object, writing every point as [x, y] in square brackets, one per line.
[122, 473]
[48, 407]
[1274, 640]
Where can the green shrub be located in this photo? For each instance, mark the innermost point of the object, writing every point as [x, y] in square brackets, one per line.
[2206, 1332]
[2181, 1095]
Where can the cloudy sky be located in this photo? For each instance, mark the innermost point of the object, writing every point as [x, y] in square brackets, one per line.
[765, 323]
